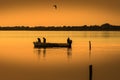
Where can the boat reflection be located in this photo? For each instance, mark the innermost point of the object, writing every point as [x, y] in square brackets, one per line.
[69, 52]
[43, 52]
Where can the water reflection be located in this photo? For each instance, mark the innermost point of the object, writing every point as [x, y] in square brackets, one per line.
[69, 52]
[106, 34]
[90, 57]
[90, 64]
[42, 52]
[38, 52]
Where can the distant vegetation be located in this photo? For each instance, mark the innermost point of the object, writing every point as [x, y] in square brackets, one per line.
[103, 27]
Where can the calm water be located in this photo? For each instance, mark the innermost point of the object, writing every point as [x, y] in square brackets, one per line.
[20, 61]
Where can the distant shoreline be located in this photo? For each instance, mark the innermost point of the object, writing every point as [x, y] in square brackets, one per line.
[103, 27]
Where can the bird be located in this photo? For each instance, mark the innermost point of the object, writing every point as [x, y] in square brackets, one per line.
[55, 6]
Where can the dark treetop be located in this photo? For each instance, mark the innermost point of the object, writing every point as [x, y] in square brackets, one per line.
[103, 27]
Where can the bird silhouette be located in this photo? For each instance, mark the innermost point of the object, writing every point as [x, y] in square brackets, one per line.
[55, 6]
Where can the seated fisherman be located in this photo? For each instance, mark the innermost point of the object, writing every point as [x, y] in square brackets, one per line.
[44, 40]
[39, 40]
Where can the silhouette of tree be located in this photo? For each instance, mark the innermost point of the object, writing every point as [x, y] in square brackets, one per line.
[103, 27]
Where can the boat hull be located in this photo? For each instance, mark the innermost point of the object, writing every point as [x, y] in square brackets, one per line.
[50, 45]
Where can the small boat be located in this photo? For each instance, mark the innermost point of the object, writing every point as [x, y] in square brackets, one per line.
[44, 44]
[50, 45]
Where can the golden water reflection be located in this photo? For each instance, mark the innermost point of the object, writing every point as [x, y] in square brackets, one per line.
[42, 52]
[19, 58]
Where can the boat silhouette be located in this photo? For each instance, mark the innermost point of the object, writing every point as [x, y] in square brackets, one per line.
[39, 44]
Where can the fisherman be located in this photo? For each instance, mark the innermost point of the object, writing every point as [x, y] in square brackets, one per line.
[39, 40]
[69, 42]
[44, 40]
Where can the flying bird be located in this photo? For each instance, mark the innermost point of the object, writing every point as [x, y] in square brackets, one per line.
[55, 6]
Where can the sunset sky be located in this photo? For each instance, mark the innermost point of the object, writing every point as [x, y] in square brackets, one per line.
[69, 12]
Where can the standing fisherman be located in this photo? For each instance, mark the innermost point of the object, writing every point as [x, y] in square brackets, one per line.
[69, 42]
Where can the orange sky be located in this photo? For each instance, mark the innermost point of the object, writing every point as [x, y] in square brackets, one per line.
[69, 12]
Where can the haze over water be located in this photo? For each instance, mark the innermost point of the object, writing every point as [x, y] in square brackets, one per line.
[19, 60]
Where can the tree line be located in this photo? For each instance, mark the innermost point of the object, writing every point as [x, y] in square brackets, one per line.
[103, 27]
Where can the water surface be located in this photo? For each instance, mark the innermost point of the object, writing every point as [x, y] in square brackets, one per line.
[19, 60]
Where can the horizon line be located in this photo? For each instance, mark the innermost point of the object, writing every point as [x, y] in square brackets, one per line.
[57, 25]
